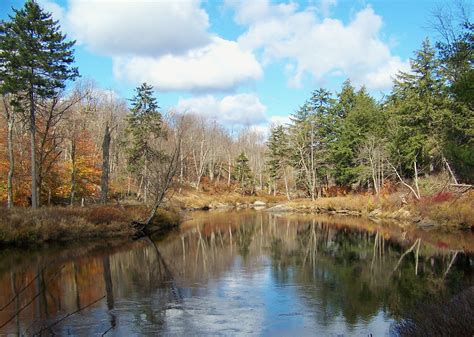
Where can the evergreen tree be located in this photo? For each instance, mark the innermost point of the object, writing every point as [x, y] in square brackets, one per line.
[359, 116]
[310, 133]
[419, 107]
[243, 173]
[278, 156]
[342, 148]
[143, 125]
[457, 60]
[35, 63]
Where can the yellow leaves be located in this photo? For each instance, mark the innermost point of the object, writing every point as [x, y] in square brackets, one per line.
[56, 168]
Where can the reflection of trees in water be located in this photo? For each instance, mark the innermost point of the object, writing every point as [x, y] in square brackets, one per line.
[339, 270]
[350, 273]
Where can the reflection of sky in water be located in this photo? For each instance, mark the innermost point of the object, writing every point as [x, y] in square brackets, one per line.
[266, 291]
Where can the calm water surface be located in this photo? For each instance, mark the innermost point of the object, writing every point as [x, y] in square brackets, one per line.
[242, 273]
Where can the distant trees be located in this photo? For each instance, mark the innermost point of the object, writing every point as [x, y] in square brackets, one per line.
[35, 62]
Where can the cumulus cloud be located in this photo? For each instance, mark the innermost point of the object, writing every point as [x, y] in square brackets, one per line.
[164, 43]
[384, 75]
[320, 47]
[221, 65]
[240, 109]
[140, 27]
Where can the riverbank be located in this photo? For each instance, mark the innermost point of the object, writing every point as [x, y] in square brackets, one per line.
[445, 210]
[23, 226]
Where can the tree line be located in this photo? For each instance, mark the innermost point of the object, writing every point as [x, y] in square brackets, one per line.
[423, 126]
[64, 143]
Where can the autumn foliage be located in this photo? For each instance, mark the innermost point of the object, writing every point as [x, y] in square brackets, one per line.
[56, 167]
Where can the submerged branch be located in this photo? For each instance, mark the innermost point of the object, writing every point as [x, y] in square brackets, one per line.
[22, 289]
[43, 288]
[67, 316]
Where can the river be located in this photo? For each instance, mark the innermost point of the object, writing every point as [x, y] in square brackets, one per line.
[245, 273]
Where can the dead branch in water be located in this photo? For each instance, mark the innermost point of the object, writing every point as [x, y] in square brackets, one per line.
[67, 316]
[43, 288]
[22, 289]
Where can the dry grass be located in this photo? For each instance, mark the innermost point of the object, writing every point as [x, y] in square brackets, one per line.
[349, 202]
[447, 209]
[442, 208]
[27, 226]
[363, 203]
[192, 199]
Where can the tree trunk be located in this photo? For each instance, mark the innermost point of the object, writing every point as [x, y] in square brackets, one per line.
[229, 174]
[105, 165]
[109, 290]
[34, 181]
[74, 170]
[11, 159]
[285, 177]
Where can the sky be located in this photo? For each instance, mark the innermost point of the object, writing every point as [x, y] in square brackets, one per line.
[243, 63]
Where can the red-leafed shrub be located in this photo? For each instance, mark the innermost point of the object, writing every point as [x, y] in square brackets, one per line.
[441, 197]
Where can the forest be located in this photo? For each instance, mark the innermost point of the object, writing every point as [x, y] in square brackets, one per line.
[65, 141]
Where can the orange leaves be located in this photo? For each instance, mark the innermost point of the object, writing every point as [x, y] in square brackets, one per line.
[55, 156]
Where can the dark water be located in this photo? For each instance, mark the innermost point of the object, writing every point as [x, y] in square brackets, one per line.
[246, 273]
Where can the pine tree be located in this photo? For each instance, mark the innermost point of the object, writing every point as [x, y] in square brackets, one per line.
[35, 63]
[243, 173]
[360, 116]
[143, 131]
[310, 134]
[457, 60]
[278, 156]
[143, 125]
[419, 107]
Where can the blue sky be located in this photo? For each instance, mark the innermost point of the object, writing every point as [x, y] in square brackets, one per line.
[241, 62]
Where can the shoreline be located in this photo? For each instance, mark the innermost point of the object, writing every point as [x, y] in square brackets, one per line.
[26, 227]
[450, 214]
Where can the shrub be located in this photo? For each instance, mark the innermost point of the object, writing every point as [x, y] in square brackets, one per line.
[442, 196]
[166, 218]
[107, 214]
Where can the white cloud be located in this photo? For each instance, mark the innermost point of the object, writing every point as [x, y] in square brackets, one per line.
[279, 120]
[383, 76]
[264, 129]
[240, 109]
[140, 27]
[318, 47]
[221, 65]
[249, 12]
[325, 6]
[56, 10]
[164, 43]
